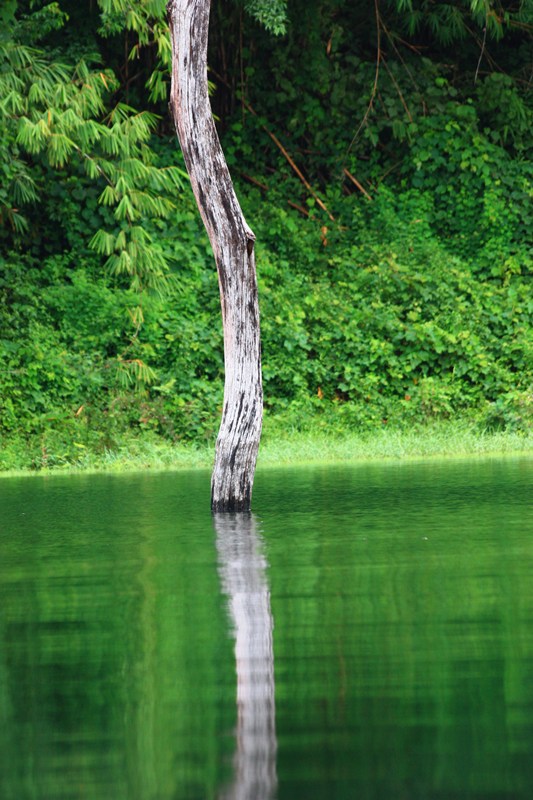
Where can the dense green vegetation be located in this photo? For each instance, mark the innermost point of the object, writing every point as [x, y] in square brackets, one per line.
[382, 155]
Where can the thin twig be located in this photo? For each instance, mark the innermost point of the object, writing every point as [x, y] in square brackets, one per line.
[301, 209]
[484, 52]
[397, 87]
[356, 183]
[390, 37]
[482, 48]
[253, 180]
[285, 154]
[241, 65]
[295, 167]
[96, 165]
[264, 187]
[388, 172]
[376, 79]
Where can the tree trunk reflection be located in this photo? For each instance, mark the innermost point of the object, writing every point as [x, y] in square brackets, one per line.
[242, 568]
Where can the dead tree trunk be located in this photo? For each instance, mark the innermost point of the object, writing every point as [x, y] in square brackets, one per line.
[232, 241]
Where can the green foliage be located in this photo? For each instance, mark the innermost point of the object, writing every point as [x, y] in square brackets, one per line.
[145, 23]
[408, 301]
[452, 21]
[61, 337]
[481, 195]
[61, 117]
[270, 13]
[390, 325]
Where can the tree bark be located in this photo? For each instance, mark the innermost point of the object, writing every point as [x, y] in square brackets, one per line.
[232, 241]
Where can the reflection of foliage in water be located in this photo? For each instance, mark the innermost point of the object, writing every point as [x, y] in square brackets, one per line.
[403, 643]
[114, 651]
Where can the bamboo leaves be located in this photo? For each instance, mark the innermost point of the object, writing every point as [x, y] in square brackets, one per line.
[60, 115]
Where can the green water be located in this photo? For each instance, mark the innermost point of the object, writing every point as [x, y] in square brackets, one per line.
[367, 633]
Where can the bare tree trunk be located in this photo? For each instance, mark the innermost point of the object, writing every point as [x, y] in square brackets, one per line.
[232, 241]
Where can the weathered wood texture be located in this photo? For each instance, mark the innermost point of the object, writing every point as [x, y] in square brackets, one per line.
[232, 241]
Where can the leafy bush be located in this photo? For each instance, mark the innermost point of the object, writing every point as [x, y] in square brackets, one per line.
[393, 222]
[393, 321]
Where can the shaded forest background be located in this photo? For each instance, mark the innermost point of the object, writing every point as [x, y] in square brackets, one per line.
[382, 154]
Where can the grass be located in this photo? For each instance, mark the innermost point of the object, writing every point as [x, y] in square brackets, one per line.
[443, 440]
[133, 454]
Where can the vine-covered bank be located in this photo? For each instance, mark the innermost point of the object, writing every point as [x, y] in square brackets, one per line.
[382, 156]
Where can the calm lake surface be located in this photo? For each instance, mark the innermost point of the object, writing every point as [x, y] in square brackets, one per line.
[367, 633]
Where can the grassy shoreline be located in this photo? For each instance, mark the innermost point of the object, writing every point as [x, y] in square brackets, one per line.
[450, 440]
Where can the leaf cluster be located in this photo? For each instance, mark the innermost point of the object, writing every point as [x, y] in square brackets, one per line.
[392, 209]
[64, 118]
